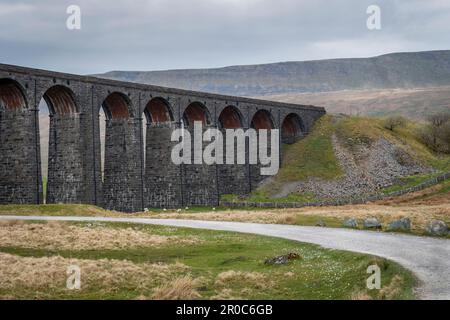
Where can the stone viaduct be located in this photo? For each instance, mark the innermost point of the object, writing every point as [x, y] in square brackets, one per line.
[132, 178]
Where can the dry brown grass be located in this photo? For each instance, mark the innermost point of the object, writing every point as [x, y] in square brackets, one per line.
[251, 279]
[225, 294]
[392, 290]
[421, 207]
[10, 223]
[360, 295]
[183, 288]
[45, 276]
[57, 235]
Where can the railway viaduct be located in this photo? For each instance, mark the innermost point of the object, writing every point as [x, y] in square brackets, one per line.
[138, 172]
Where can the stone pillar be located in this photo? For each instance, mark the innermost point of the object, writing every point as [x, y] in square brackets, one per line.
[199, 181]
[122, 181]
[19, 164]
[65, 161]
[233, 178]
[162, 180]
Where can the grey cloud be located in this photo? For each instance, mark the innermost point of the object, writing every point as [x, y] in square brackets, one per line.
[166, 34]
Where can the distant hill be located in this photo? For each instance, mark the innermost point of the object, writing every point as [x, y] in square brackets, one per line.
[416, 103]
[396, 70]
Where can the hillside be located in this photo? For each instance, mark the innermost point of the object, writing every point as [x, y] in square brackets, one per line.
[415, 103]
[397, 70]
[349, 157]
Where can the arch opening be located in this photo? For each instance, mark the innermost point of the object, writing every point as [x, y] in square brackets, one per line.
[116, 106]
[292, 128]
[60, 100]
[230, 118]
[262, 120]
[196, 111]
[12, 96]
[158, 110]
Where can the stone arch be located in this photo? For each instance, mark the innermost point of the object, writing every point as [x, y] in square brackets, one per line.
[158, 110]
[64, 171]
[262, 119]
[60, 100]
[12, 95]
[117, 106]
[230, 118]
[292, 128]
[196, 111]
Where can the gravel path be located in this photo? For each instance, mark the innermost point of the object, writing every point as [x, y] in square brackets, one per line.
[428, 258]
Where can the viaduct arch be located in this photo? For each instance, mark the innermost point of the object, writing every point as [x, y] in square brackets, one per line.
[133, 178]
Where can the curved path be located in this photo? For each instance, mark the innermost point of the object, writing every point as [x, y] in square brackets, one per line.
[428, 258]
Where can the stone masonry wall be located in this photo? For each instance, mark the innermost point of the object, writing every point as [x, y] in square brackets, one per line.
[65, 174]
[199, 181]
[18, 163]
[162, 182]
[122, 181]
[233, 178]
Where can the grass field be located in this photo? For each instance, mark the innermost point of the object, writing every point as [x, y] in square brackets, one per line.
[180, 263]
[421, 207]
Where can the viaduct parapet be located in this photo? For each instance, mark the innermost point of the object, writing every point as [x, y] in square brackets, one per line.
[138, 172]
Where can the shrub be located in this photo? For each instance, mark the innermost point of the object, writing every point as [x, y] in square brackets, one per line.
[436, 134]
[393, 122]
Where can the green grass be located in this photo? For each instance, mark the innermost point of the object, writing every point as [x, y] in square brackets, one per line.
[408, 182]
[319, 274]
[44, 187]
[52, 210]
[311, 157]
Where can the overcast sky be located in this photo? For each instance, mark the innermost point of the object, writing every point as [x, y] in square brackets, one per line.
[174, 34]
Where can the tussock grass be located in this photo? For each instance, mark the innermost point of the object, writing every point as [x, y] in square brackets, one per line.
[250, 279]
[57, 235]
[222, 265]
[183, 288]
[45, 277]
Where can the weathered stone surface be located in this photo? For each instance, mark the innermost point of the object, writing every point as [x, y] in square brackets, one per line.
[128, 183]
[403, 224]
[372, 223]
[350, 223]
[438, 228]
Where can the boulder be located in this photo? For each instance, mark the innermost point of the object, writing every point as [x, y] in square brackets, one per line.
[351, 223]
[438, 228]
[404, 224]
[372, 223]
[284, 259]
[321, 223]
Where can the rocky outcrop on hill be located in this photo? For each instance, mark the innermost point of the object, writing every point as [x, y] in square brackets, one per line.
[367, 169]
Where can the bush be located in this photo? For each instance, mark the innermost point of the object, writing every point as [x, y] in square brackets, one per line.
[436, 135]
[393, 122]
